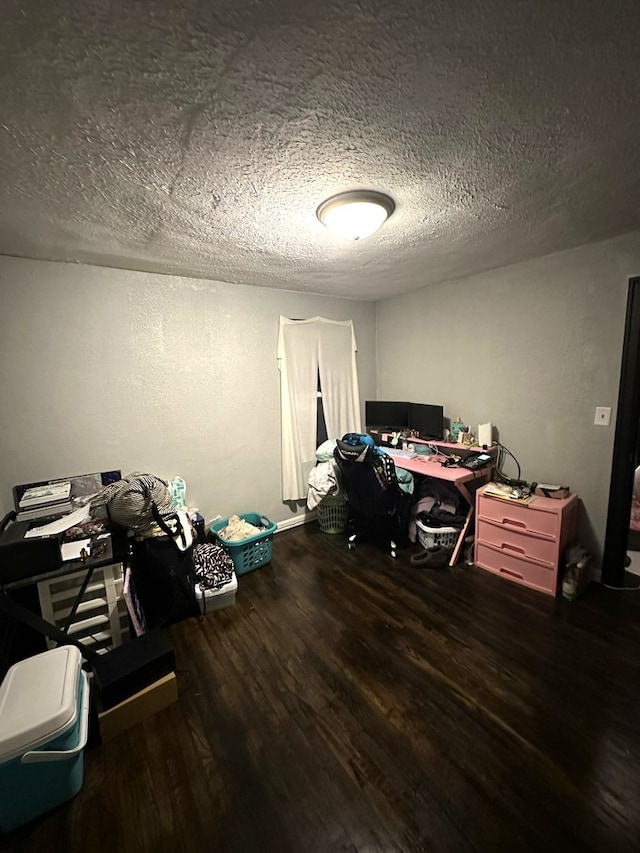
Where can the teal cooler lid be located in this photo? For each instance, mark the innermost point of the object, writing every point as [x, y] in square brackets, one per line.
[39, 700]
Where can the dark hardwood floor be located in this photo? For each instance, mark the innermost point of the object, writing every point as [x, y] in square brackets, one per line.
[350, 702]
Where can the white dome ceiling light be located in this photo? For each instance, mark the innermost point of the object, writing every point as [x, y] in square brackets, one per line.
[357, 214]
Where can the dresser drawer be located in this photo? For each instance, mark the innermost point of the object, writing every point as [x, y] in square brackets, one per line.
[517, 544]
[516, 570]
[524, 517]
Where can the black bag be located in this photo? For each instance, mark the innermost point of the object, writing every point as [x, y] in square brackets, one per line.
[164, 575]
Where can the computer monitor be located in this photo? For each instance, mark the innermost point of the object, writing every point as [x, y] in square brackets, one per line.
[390, 415]
[427, 420]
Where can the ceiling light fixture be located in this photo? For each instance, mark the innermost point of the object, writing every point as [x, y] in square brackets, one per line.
[357, 214]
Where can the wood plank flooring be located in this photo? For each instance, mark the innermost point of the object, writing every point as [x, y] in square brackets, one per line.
[355, 704]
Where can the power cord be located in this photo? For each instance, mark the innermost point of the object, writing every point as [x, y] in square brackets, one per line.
[500, 462]
[621, 588]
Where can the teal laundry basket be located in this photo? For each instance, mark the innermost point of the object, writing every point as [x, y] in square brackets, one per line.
[254, 551]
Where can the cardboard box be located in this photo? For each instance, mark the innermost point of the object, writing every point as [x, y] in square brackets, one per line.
[129, 668]
[138, 707]
[544, 490]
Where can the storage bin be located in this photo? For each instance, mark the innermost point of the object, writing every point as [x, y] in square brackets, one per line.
[428, 537]
[516, 568]
[333, 514]
[217, 599]
[139, 707]
[254, 551]
[44, 721]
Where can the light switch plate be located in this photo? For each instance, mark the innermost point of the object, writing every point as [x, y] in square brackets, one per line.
[603, 416]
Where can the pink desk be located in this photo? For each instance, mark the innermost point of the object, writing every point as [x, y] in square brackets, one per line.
[427, 466]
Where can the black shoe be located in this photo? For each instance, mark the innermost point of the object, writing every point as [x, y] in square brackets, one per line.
[436, 557]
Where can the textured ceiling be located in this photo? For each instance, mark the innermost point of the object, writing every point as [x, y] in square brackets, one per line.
[198, 138]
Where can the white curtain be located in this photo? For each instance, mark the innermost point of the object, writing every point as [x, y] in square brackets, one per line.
[306, 347]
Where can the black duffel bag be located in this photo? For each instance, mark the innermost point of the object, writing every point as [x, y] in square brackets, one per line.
[163, 572]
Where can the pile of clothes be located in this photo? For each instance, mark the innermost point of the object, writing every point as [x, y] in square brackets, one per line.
[324, 479]
[439, 504]
[237, 528]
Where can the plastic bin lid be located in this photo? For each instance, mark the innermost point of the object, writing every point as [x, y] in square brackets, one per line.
[38, 700]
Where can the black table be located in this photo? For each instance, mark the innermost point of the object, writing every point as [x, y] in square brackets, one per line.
[117, 553]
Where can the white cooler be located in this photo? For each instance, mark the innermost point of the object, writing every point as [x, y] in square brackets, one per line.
[44, 721]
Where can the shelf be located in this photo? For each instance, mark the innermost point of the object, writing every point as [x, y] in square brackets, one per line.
[101, 617]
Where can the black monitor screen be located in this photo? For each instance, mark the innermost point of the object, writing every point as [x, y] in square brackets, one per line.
[378, 413]
[427, 420]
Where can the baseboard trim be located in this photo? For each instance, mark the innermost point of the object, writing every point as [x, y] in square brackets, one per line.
[297, 521]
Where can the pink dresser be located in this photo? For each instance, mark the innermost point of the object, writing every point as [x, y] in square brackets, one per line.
[524, 542]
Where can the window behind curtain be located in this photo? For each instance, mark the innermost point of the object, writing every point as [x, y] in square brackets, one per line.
[309, 350]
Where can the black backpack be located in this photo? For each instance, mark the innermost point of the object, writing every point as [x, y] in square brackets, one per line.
[163, 574]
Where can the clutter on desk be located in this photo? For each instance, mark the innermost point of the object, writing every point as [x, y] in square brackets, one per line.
[457, 429]
[31, 535]
[19, 556]
[58, 525]
[546, 490]
[47, 496]
[89, 538]
[421, 449]
[506, 491]
[48, 499]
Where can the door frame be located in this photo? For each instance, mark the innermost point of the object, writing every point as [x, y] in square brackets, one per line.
[625, 448]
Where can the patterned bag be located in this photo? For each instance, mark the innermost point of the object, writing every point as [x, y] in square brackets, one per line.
[213, 566]
[130, 500]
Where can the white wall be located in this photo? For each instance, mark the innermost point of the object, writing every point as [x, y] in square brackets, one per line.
[103, 369]
[534, 348]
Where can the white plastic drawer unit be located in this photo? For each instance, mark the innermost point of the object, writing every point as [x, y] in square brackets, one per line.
[524, 542]
[101, 620]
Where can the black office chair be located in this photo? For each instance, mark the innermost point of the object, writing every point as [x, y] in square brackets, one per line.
[373, 495]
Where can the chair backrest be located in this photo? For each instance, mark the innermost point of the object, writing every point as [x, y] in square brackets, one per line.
[368, 478]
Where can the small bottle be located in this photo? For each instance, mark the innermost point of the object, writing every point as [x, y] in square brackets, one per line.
[197, 521]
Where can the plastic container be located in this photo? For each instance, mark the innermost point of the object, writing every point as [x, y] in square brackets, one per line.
[333, 514]
[254, 551]
[217, 599]
[428, 537]
[44, 722]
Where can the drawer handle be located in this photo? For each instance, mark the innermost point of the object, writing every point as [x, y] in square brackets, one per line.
[507, 547]
[514, 523]
[513, 574]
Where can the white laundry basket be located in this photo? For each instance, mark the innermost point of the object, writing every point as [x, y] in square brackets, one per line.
[429, 537]
[333, 514]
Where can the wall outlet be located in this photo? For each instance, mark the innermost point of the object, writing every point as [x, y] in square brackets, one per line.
[603, 416]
